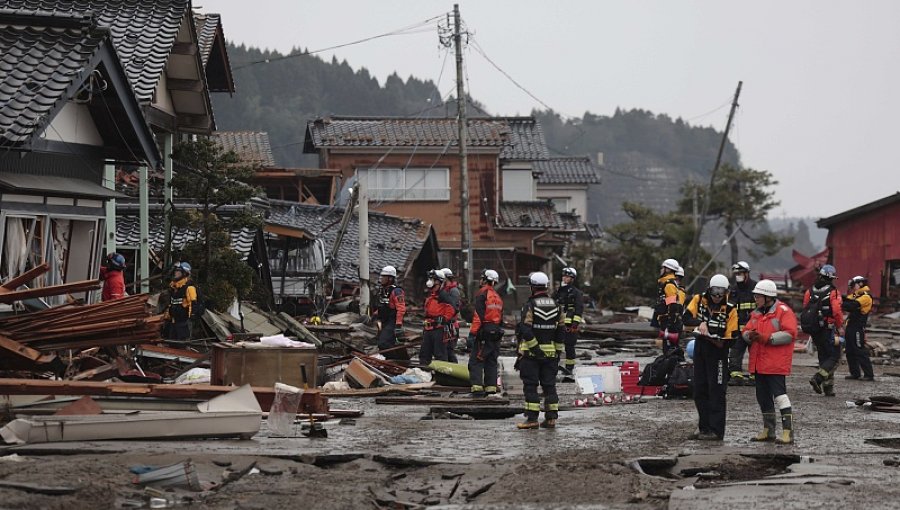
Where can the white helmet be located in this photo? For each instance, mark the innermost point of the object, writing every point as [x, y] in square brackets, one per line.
[766, 288]
[671, 264]
[447, 272]
[569, 271]
[490, 275]
[389, 271]
[719, 280]
[740, 266]
[679, 271]
[539, 279]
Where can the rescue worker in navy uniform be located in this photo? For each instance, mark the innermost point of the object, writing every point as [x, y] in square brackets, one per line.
[391, 308]
[669, 306]
[741, 295]
[488, 332]
[571, 302]
[452, 287]
[538, 334]
[183, 295]
[827, 300]
[439, 312]
[858, 305]
[716, 321]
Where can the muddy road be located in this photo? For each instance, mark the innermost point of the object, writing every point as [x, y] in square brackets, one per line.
[392, 458]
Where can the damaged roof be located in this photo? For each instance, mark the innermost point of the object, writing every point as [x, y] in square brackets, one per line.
[252, 147]
[393, 240]
[128, 230]
[143, 31]
[526, 138]
[402, 132]
[537, 214]
[568, 170]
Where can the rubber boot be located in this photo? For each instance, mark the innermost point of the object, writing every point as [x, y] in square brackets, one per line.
[828, 389]
[817, 379]
[750, 380]
[736, 378]
[549, 423]
[787, 428]
[768, 431]
[528, 425]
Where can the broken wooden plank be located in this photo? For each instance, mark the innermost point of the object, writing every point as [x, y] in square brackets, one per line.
[50, 490]
[52, 290]
[10, 345]
[14, 283]
[423, 400]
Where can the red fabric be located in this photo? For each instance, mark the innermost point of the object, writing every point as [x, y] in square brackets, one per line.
[397, 302]
[837, 318]
[435, 308]
[490, 304]
[766, 358]
[113, 284]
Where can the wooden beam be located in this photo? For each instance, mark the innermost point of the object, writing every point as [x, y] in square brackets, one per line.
[53, 290]
[287, 232]
[184, 48]
[25, 277]
[10, 345]
[184, 85]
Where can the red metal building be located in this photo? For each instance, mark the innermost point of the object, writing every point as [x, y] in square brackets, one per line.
[866, 241]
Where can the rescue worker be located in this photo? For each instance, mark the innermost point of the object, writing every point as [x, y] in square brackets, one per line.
[113, 276]
[741, 295]
[180, 311]
[538, 335]
[571, 303]
[669, 306]
[823, 301]
[389, 312]
[771, 332]
[858, 305]
[438, 313]
[717, 325]
[452, 287]
[483, 366]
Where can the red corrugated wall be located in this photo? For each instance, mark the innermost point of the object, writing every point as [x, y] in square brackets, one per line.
[861, 245]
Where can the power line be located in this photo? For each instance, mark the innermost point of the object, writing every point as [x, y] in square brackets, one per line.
[400, 31]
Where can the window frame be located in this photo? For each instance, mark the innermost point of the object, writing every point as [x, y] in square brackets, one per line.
[379, 194]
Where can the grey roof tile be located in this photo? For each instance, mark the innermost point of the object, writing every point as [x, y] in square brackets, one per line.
[206, 24]
[252, 147]
[526, 138]
[404, 132]
[143, 31]
[538, 214]
[43, 56]
[392, 240]
[569, 170]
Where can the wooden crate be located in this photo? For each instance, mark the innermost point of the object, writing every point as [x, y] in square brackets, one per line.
[262, 366]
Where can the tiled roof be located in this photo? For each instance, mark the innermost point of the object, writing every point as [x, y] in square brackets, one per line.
[252, 147]
[128, 231]
[392, 240]
[143, 31]
[403, 132]
[527, 140]
[206, 32]
[538, 214]
[40, 68]
[576, 170]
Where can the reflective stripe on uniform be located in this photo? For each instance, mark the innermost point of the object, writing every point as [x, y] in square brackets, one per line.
[533, 406]
[476, 387]
[553, 407]
[528, 344]
[577, 318]
[548, 350]
[560, 346]
[490, 389]
[570, 362]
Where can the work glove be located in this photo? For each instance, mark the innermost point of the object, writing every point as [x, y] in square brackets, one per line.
[398, 333]
[755, 337]
[572, 328]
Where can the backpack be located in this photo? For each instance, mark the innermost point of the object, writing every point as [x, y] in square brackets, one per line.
[681, 382]
[657, 372]
[810, 316]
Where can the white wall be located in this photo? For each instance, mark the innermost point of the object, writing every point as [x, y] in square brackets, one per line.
[577, 197]
[518, 185]
[73, 124]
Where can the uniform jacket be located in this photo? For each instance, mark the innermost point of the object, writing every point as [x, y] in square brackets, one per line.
[670, 303]
[741, 294]
[721, 319]
[438, 307]
[571, 300]
[539, 329]
[183, 295]
[858, 305]
[452, 289]
[766, 358]
[391, 305]
[829, 304]
[488, 309]
[113, 284]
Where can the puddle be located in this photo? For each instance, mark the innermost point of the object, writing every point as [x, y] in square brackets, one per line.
[885, 442]
[712, 470]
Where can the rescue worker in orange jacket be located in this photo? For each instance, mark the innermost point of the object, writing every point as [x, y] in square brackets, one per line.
[858, 305]
[439, 312]
[771, 332]
[716, 321]
[483, 366]
[823, 320]
[112, 274]
[540, 346]
[669, 306]
[389, 312]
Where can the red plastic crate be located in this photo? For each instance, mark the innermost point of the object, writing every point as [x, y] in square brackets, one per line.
[631, 374]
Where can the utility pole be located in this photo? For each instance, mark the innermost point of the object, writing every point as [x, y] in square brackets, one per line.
[363, 224]
[465, 230]
[695, 245]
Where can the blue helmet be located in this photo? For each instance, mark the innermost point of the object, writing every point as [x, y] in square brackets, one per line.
[116, 260]
[184, 267]
[690, 349]
[828, 271]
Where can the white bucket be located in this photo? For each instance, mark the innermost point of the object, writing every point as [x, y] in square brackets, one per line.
[598, 379]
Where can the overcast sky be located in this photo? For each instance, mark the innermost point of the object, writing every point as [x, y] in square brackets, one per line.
[819, 107]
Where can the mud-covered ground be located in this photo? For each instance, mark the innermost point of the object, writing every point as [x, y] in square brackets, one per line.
[391, 458]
